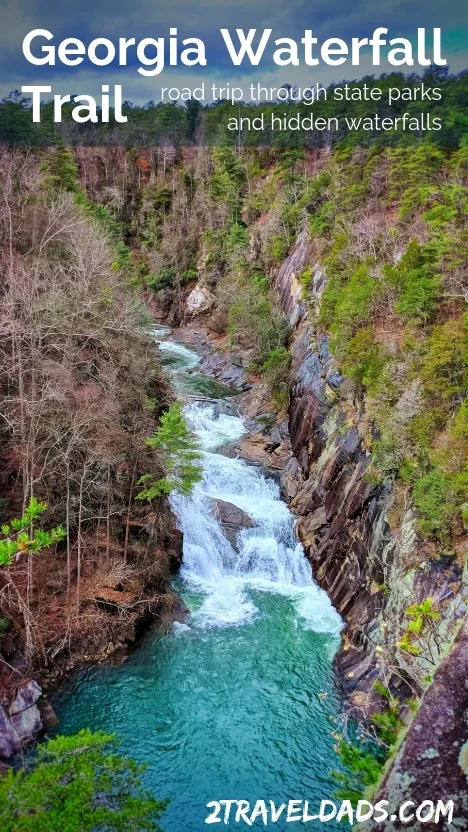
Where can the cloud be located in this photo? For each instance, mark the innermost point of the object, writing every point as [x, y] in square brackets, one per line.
[149, 18]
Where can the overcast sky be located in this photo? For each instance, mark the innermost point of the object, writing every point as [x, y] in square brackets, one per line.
[88, 19]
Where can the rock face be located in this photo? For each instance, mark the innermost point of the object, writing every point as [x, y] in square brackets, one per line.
[287, 282]
[200, 300]
[232, 520]
[433, 760]
[218, 365]
[371, 572]
[23, 718]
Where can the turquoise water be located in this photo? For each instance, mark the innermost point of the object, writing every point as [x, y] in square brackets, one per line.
[181, 364]
[238, 702]
[220, 713]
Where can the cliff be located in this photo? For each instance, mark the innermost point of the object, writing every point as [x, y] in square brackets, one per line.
[366, 566]
[372, 570]
[432, 763]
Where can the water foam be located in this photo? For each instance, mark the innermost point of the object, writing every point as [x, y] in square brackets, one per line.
[177, 357]
[213, 428]
[268, 557]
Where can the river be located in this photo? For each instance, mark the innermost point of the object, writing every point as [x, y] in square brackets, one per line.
[239, 701]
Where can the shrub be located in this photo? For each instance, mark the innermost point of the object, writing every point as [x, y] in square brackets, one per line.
[332, 291]
[321, 222]
[305, 279]
[162, 198]
[237, 237]
[228, 179]
[388, 724]
[363, 359]
[276, 371]
[417, 284]
[180, 455]
[187, 276]
[459, 429]
[411, 171]
[361, 768]
[61, 170]
[430, 495]
[17, 537]
[423, 428]
[353, 306]
[162, 279]
[446, 361]
[278, 248]
[420, 615]
[255, 322]
[78, 784]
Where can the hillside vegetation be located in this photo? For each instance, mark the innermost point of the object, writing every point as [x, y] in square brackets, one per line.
[437, 93]
[81, 389]
[92, 236]
[390, 229]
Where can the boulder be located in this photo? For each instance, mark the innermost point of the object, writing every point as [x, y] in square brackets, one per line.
[232, 520]
[219, 366]
[165, 299]
[254, 450]
[200, 300]
[9, 741]
[49, 718]
[218, 321]
[21, 720]
[24, 713]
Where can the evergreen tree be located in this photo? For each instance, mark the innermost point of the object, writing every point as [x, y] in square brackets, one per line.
[180, 455]
[18, 536]
[78, 784]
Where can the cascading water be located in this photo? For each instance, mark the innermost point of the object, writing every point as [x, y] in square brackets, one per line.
[269, 558]
[239, 701]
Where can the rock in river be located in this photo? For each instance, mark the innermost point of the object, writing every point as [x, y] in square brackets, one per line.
[20, 719]
[232, 520]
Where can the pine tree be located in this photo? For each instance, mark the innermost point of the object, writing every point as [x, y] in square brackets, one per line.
[78, 784]
[18, 536]
[180, 455]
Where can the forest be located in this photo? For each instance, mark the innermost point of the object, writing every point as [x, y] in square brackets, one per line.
[206, 124]
[104, 228]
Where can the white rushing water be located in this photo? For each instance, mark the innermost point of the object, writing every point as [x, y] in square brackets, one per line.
[177, 357]
[269, 558]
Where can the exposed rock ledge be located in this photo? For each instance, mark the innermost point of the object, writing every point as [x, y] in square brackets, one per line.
[433, 760]
[23, 718]
[372, 570]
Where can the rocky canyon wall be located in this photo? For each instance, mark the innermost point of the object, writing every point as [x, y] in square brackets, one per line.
[371, 568]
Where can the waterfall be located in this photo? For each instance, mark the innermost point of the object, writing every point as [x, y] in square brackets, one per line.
[269, 557]
[237, 701]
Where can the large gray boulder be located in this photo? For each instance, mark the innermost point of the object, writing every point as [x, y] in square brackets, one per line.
[23, 718]
[232, 520]
[200, 300]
